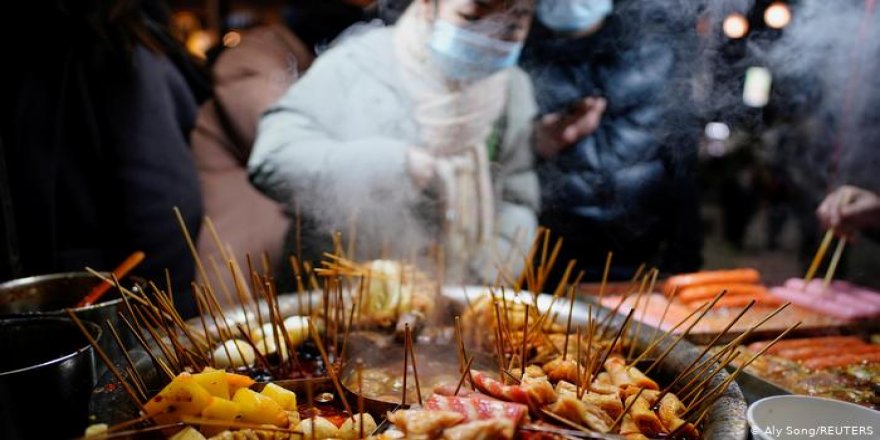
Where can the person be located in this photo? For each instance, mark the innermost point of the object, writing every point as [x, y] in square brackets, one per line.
[94, 143]
[411, 136]
[248, 78]
[616, 158]
[850, 209]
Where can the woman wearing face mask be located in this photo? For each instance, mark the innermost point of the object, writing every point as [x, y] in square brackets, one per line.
[622, 177]
[412, 135]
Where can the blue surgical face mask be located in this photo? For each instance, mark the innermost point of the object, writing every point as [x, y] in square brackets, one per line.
[572, 15]
[465, 55]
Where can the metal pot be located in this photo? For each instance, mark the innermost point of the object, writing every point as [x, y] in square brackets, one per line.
[47, 373]
[49, 295]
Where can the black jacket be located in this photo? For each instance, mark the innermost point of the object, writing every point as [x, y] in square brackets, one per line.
[630, 187]
[94, 156]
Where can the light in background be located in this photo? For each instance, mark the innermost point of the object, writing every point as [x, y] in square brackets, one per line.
[756, 91]
[777, 15]
[735, 26]
[231, 39]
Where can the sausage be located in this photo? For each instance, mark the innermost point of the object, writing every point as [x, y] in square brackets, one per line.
[706, 292]
[711, 277]
[743, 300]
[807, 353]
[824, 341]
[821, 304]
[841, 361]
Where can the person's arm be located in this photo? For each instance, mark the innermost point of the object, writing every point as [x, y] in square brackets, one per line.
[300, 158]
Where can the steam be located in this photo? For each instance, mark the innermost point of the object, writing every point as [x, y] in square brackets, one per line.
[826, 64]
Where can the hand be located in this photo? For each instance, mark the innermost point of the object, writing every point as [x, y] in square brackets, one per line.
[422, 167]
[558, 131]
[849, 209]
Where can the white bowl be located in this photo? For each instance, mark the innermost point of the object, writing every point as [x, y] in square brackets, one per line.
[815, 418]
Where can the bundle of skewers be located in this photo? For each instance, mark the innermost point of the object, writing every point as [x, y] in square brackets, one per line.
[553, 375]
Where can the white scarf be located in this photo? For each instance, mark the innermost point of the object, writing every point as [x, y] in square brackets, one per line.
[455, 121]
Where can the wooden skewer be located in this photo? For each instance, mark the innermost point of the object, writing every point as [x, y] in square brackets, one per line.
[577, 364]
[626, 409]
[832, 266]
[464, 374]
[605, 276]
[565, 421]
[499, 344]
[818, 257]
[525, 340]
[360, 385]
[138, 381]
[695, 388]
[237, 425]
[653, 274]
[215, 268]
[611, 347]
[586, 387]
[260, 358]
[605, 325]
[659, 327]
[192, 248]
[405, 372]
[143, 343]
[329, 367]
[686, 331]
[412, 355]
[201, 297]
[568, 323]
[106, 359]
[690, 367]
[459, 344]
[723, 385]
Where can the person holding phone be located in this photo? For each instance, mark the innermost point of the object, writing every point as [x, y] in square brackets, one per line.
[617, 149]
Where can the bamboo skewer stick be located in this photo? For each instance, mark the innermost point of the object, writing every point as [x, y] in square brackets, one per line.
[106, 359]
[405, 373]
[632, 346]
[329, 367]
[237, 425]
[566, 421]
[464, 374]
[611, 347]
[695, 387]
[137, 379]
[606, 322]
[412, 355]
[525, 340]
[143, 343]
[605, 273]
[659, 327]
[586, 387]
[360, 403]
[260, 357]
[693, 363]
[818, 257]
[215, 267]
[577, 364]
[723, 385]
[626, 409]
[568, 322]
[835, 260]
[686, 331]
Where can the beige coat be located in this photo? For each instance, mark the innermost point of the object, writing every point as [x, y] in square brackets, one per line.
[248, 79]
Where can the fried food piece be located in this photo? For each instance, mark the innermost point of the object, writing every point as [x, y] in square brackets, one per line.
[415, 423]
[498, 428]
[569, 407]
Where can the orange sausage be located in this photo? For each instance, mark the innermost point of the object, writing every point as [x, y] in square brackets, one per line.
[711, 277]
[706, 292]
[806, 353]
[743, 300]
[842, 361]
[823, 341]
